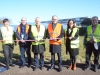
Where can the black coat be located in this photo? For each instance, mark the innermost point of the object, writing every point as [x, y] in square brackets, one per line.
[74, 51]
[55, 48]
[38, 48]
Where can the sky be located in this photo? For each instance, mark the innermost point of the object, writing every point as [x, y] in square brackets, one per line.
[45, 9]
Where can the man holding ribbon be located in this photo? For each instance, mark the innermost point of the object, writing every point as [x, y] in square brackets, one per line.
[54, 33]
[91, 41]
[23, 38]
[38, 35]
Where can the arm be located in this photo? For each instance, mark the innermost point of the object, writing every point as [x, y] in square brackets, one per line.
[47, 34]
[14, 36]
[30, 35]
[17, 35]
[1, 35]
[85, 41]
[62, 33]
[44, 34]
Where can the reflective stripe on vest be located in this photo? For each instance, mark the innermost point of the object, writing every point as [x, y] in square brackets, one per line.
[55, 33]
[38, 35]
[74, 43]
[7, 35]
[95, 35]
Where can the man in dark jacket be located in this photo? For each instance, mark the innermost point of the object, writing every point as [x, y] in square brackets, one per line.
[22, 35]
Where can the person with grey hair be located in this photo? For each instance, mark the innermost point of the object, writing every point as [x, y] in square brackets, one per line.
[22, 34]
[38, 35]
[91, 40]
[55, 33]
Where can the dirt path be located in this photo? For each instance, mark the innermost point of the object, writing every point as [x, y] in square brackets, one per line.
[29, 71]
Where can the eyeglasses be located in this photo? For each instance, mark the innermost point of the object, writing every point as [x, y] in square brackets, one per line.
[54, 19]
[23, 20]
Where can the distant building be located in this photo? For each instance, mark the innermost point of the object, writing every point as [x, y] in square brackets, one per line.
[77, 20]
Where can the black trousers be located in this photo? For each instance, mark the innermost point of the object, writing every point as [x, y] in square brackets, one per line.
[90, 48]
[38, 63]
[53, 59]
[8, 50]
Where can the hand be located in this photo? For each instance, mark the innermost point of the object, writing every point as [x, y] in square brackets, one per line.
[51, 38]
[55, 39]
[3, 41]
[42, 40]
[22, 41]
[35, 41]
[70, 38]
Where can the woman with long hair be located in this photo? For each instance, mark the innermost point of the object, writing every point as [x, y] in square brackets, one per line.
[72, 43]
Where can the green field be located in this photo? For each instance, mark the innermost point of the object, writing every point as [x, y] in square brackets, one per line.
[80, 59]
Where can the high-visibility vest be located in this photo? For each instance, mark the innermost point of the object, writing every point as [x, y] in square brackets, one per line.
[7, 35]
[95, 35]
[38, 35]
[19, 29]
[74, 43]
[54, 33]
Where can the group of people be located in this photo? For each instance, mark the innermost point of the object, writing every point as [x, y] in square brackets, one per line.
[35, 35]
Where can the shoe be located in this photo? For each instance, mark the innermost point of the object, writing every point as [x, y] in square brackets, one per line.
[7, 68]
[52, 67]
[95, 68]
[35, 68]
[70, 67]
[87, 68]
[12, 65]
[29, 66]
[74, 67]
[60, 69]
[41, 68]
[22, 66]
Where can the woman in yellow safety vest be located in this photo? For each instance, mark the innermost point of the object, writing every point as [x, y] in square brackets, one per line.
[72, 42]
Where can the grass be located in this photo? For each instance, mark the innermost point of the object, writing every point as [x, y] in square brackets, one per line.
[80, 57]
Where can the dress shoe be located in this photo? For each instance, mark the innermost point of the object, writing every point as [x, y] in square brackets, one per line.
[41, 68]
[29, 66]
[52, 67]
[87, 68]
[22, 66]
[12, 65]
[60, 69]
[7, 68]
[95, 68]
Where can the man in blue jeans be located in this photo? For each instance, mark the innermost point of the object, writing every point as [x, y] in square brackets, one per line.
[22, 35]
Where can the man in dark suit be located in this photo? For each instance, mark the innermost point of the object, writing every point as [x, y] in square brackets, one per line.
[22, 35]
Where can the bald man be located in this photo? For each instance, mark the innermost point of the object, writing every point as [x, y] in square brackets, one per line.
[38, 35]
[22, 34]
